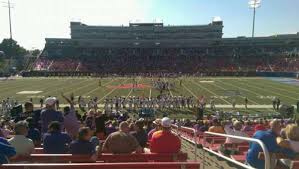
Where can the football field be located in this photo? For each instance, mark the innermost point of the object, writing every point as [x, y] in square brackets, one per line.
[259, 91]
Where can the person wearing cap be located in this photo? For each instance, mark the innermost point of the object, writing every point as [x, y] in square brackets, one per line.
[49, 114]
[164, 141]
[24, 146]
[236, 131]
[157, 124]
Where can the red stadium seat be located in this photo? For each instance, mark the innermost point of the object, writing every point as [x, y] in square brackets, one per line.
[142, 165]
[62, 158]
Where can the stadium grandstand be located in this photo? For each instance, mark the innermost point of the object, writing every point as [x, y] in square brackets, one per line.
[155, 47]
[150, 96]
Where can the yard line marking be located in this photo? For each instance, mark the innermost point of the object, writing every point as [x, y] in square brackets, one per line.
[282, 86]
[168, 87]
[150, 93]
[227, 89]
[256, 86]
[91, 91]
[132, 88]
[210, 91]
[110, 92]
[189, 90]
[65, 86]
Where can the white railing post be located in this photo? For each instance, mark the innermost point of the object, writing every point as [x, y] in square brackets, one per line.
[264, 148]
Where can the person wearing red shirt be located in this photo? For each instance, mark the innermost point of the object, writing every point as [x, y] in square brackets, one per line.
[164, 141]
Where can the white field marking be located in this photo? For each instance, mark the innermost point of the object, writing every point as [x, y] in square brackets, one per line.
[83, 81]
[168, 87]
[206, 81]
[209, 91]
[280, 84]
[40, 96]
[91, 91]
[226, 89]
[132, 88]
[49, 91]
[266, 97]
[56, 88]
[29, 92]
[110, 92]
[189, 90]
[10, 88]
[150, 93]
[292, 98]
[242, 89]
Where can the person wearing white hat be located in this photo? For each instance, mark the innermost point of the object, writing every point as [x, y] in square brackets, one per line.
[49, 114]
[164, 141]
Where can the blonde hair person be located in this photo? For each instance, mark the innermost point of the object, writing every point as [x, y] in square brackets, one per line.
[292, 132]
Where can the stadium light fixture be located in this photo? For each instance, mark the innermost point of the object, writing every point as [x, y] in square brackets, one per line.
[253, 4]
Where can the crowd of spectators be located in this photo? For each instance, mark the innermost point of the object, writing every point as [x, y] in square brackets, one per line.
[91, 134]
[191, 60]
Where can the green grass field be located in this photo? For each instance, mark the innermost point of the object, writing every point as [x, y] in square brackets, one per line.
[259, 91]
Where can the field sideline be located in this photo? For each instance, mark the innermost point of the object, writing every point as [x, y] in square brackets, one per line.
[259, 91]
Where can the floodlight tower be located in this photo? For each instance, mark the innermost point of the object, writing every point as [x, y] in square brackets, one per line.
[253, 4]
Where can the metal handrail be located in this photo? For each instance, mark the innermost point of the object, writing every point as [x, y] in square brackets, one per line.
[264, 148]
[194, 135]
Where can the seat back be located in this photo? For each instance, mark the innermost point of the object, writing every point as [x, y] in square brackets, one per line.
[142, 165]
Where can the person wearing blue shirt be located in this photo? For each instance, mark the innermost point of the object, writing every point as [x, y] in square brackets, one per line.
[56, 142]
[269, 139]
[83, 146]
[6, 151]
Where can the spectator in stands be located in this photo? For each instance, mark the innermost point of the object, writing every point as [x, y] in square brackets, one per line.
[33, 133]
[24, 146]
[29, 112]
[90, 119]
[71, 123]
[6, 151]
[121, 142]
[5, 128]
[236, 131]
[100, 121]
[216, 127]
[268, 137]
[49, 114]
[83, 145]
[157, 125]
[247, 126]
[164, 141]
[140, 133]
[56, 142]
[259, 126]
[111, 127]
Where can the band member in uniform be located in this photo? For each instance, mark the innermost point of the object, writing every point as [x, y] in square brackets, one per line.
[246, 102]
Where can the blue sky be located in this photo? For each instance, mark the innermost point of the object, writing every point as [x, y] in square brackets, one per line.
[34, 20]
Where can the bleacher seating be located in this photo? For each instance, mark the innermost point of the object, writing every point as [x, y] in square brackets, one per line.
[107, 158]
[134, 165]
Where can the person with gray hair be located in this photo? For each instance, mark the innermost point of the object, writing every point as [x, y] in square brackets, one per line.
[235, 131]
[24, 146]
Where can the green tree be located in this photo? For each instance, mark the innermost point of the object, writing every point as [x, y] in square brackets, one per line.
[12, 49]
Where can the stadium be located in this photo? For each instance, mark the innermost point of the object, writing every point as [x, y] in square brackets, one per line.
[151, 95]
